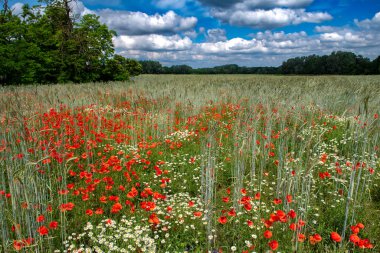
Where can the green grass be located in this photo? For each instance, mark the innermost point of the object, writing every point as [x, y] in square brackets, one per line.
[191, 139]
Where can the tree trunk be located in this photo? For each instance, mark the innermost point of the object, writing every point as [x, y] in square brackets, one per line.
[5, 6]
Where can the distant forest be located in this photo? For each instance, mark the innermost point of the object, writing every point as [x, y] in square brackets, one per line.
[51, 44]
[337, 63]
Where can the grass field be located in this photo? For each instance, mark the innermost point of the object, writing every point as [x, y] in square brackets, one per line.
[233, 163]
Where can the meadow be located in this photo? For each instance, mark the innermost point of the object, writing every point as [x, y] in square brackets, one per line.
[192, 163]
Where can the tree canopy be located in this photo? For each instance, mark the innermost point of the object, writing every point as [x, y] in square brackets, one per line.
[50, 44]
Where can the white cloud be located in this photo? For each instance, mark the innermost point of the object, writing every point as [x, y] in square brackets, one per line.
[332, 37]
[233, 46]
[255, 4]
[277, 17]
[373, 23]
[80, 9]
[139, 23]
[153, 42]
[215, 35]
[17, 8]
[173, 4]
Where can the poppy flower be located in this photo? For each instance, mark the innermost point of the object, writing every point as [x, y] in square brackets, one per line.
[40, 218]
[133, 193]
[222, 220]
[232, 213]
[53, 225]
[116, 208]
[153, 219]
[289, 198]
[354, 238]
[267, 234]
[273, 244]
[301, 237]
[292, 214]
[360, 225]
[18, 245]
[66, 207]
[314, 239]
[43, 230]
[335, 237]
[248, 207]
[197, 214]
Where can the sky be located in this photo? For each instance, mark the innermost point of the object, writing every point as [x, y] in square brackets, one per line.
[205, 33]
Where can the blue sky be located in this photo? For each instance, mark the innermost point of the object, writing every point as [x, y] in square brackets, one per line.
[246, 32]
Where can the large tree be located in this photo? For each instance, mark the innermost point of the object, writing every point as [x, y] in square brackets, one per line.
[50, 44]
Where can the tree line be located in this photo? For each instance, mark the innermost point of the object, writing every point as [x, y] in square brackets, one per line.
[50, 44]
[337, 63]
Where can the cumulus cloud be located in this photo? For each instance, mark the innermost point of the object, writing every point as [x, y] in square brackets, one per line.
[233, 46]
[174, 4]
[268, 19]
[153, 42]
[266, 14]
[373, 23]
[220, 3]
[139, 23]
[215, 35]
[17, 8]
[257, 3]
[80, 9]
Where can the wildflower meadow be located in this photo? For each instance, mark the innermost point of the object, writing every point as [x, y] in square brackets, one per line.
[192, 163]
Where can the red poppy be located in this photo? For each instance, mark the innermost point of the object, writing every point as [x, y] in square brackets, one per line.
[67, 207]
[133, 193]
[89, 212]
[315, 239]
[222, 220]
[43, 230]
[197, 214]
[301, 237]
[116, 208]
[354, 238]
[232, 213]
[289, 198]
[292, 214]
[335, 237]
[40, 218]
[273, 244]
[18, 245]
[267, 234]
[153, 219]
[53, 225]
